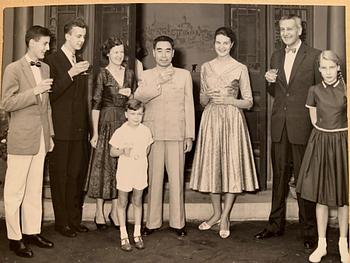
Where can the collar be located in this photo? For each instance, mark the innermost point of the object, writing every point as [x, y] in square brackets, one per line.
[158, 68]
[29, 59]
[297, 46]
[67, 52]
[325, 85]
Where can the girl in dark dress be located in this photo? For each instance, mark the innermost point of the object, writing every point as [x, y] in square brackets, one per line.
[115, 84]
[323, 174]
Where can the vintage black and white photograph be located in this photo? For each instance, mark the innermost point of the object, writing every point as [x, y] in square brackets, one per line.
[174, 132]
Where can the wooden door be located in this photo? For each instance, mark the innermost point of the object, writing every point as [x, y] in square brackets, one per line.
[249, 24]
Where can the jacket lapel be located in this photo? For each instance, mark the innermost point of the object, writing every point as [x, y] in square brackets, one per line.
[281, 73]
[45, 74]
[29, 76]
[298, 60]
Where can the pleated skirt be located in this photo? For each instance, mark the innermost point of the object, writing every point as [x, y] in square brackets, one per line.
[223, 160]
[323, 176]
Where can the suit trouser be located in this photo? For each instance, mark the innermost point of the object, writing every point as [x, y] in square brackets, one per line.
[23, 190]
[171, 154]
[281, 175]
[68, 167]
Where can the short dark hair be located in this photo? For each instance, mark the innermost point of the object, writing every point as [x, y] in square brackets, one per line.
[110, 43]
[134, 104]
[226, 31]
[77, 22]
[163, 38]
[35, 32]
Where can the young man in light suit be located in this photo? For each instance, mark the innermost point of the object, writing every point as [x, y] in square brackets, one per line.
[25, 98]
[297, 71]
[167, 94]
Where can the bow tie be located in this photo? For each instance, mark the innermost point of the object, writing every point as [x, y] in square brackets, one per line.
[38, 63]
[288, 49]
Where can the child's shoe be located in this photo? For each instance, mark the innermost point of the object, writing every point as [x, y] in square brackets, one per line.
[343, 250]
[139, 242]
[125, 244]
[319, 252]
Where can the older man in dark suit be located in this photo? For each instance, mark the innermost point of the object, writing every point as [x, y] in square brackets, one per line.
[69, 160]
[293, 70]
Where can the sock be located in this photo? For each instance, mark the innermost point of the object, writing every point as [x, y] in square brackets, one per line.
[137, 231]
[320, 251]
[343, 249]
[123, 232]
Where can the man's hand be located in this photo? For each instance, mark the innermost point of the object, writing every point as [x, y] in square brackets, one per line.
[125, 92]
[78, 68]
[188, 145]
[43, 86]
[165, 75]
[271, 75]
[52, 145]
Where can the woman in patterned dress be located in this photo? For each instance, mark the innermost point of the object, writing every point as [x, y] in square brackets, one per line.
[223, 162]
[115, 84]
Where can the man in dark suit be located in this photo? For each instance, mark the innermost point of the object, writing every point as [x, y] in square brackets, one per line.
[293, 70]
[68, 162]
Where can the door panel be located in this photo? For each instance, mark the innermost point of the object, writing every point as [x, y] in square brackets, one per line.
[249, 24]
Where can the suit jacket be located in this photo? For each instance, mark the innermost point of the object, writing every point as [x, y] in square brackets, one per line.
[28, 114]
[69, 99]
[169, 110]
[289, 109]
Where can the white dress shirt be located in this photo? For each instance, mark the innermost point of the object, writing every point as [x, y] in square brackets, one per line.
[289, 61]
[36, 71]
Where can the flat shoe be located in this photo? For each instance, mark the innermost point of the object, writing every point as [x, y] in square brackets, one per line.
[139, 242]
[206, 226]
[38, 240]
[20, 249]
[125, 244]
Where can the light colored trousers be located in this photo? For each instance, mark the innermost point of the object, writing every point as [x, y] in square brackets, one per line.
[23, 193]
[171, 155]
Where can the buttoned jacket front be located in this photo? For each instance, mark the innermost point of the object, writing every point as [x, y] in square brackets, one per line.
[289, 109]
[169, 109]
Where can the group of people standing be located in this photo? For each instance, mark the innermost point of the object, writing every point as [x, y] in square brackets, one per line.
[143, 124]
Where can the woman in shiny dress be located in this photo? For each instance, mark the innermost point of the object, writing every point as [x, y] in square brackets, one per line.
[115, 83]
[223, 162]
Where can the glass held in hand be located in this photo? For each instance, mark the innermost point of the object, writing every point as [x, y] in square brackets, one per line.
[271, 75]
[50, 83]
[274, 71]
[88, 71]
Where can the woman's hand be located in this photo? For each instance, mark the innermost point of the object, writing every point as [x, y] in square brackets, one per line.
[93, 141]
[224, 100]
[223, 96]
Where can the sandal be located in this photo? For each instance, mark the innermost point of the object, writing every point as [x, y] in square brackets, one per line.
[206, 226]
[125, 244]
[139, 242]
[225, 233]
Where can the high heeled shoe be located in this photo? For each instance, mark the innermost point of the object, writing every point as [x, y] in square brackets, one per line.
[112, 222]
[225, 233]
[100, 226]
[206, 226]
